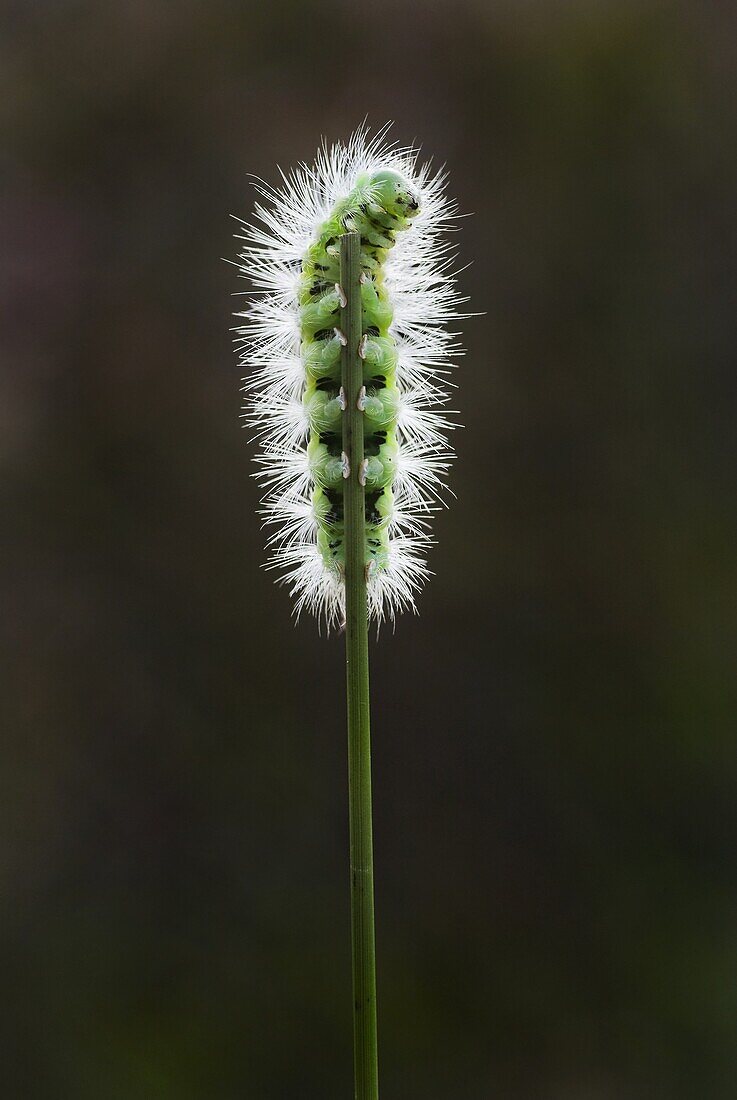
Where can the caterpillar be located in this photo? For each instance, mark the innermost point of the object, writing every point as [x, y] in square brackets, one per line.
[291, 347]
[380, 205]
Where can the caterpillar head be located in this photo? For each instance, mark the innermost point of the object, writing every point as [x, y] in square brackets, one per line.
[393, 192]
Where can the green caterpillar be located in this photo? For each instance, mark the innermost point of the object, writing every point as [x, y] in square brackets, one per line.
[380, 205]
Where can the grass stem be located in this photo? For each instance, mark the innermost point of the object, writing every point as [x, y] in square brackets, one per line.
[357, 679]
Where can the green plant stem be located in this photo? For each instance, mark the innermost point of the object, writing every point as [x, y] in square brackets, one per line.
[357, 678]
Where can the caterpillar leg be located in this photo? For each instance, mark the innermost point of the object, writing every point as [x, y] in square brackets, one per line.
[385, 218]
[327, 462]
[379, 353]
[381, 407]
[323, 410]
[321, 314]
[379, 466]
[377, 309]
[379, 237]
[321, 357]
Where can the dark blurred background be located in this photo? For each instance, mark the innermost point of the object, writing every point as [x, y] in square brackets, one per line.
[555, 759]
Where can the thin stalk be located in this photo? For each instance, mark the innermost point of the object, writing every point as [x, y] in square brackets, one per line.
[365, 1061]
